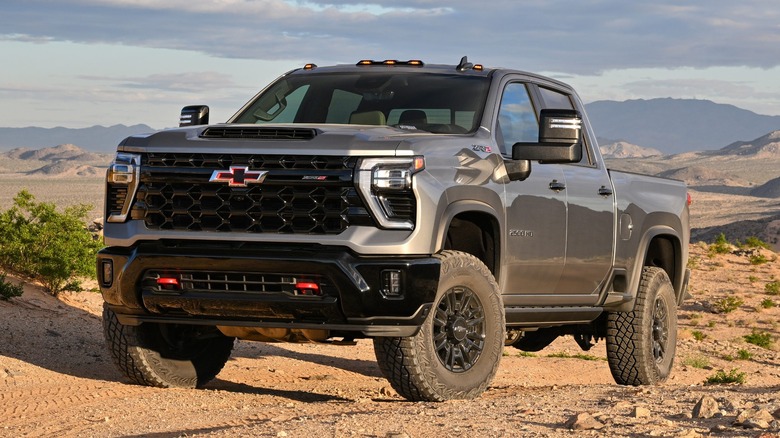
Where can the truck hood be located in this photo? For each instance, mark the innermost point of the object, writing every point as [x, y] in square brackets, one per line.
[278, 140]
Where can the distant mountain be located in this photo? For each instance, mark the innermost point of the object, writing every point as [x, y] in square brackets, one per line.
[704, 176]
[677, 125]
[771, 189]
[96, 138]
[622, 149]
[61, 160]
[767, 146]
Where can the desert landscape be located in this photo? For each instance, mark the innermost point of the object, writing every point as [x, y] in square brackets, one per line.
[57, 378]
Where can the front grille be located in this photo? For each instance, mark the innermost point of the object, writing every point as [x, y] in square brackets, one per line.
[300, 195]
[233, 282]
[259, 133]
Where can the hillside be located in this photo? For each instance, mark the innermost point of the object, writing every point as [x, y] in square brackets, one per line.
[61, 160]
[622, 149]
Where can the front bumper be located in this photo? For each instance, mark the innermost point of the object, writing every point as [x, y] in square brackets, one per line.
[253, 285]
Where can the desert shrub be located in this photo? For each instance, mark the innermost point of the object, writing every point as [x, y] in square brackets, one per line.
[700, 362]
[772, 288]
[693, 262]
[47, 245]
[728, 304]
[698, 335]
[758, 259]
[755, 242]
[744, 355]
[720, 246]
[761, 339]
[8, 290]
[767, 303]
[722, 377]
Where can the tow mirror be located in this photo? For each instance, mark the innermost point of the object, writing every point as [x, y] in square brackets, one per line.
[560, 138]
[194, 115]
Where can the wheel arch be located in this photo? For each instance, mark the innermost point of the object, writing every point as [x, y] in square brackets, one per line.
[661, 246]
[472, 227]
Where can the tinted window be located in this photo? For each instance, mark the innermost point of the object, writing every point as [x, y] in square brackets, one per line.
[516, 117]
[440, 103]
[555, 100]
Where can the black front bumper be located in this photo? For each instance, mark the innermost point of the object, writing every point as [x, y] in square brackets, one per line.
[247, 284]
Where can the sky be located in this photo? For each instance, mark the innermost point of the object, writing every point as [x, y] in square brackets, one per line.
[79, 63]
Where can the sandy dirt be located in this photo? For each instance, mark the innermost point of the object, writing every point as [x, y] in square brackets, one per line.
[57, 379]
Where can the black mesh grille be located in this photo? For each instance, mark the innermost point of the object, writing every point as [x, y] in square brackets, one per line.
[301, 195]
[259, 133]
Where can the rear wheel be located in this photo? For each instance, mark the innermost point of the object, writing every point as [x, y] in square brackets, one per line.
[166, 355]
[456, 353]
[641, 344]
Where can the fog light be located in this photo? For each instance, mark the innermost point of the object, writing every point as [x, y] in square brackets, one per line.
[391, 283]
[307, 288]
[107, 276]
[168, 283]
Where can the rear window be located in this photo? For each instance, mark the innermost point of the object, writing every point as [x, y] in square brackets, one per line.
[439, 103]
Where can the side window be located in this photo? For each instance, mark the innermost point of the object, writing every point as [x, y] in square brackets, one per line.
[342, 104]
[555, 100]
[516, 117]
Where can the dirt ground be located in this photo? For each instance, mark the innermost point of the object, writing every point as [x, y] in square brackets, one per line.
[57, 379]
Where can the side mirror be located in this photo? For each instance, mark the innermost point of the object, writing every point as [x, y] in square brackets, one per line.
[194, 115]
[560, 138]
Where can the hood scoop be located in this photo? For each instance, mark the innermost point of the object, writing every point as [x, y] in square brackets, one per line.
[259, 133]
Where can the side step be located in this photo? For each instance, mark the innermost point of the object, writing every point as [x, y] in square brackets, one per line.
[550, 316]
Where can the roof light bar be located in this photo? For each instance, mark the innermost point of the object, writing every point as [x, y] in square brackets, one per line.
[411, 62]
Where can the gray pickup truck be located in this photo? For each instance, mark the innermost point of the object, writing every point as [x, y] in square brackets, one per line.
[444, 211]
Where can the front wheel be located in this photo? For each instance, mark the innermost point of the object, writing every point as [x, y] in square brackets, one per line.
[456, 353]
[166, 355]
[641, 343]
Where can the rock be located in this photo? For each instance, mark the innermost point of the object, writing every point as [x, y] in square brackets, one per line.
[641, 412]
[583, 421]
[754, 419]
[707, 407]
[776, 414]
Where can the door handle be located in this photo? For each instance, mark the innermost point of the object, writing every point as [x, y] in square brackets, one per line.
[557, 186]
[605, 191]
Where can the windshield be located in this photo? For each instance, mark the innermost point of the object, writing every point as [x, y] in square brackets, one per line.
[439, 103]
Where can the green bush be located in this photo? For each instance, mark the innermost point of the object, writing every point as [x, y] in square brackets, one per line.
[49, 246]
[772, 288]
[758, 259]
[720, 246]
[755, 242]
[8, 290]
[728, 304]
[722, 377]
[761, 339]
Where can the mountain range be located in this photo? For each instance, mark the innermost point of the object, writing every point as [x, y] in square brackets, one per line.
[102, 139]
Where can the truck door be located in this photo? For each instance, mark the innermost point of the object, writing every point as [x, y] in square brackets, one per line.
[535, 209]
[590, 229]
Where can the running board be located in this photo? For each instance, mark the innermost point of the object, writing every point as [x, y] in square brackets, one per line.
[550, 316]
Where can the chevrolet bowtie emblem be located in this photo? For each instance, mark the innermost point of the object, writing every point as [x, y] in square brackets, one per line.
[238, 176]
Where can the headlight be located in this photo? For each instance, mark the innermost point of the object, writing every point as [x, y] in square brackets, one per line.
[121, 184]
[386, 185]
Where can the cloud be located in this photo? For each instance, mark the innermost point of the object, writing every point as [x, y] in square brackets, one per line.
[585, 37]
[182, 82]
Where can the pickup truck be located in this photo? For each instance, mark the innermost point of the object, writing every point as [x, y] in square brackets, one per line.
[445, 212]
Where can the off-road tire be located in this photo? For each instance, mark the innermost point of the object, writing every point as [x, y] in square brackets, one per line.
[456, 353]
[166, 355]
[641, 344]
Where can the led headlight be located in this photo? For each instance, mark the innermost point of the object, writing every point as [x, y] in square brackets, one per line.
[385, 181]
[121, 184]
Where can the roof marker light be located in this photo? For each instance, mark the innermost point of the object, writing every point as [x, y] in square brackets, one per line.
[310, 66]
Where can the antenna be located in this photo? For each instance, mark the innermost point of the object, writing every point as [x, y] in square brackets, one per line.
[464, 64]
